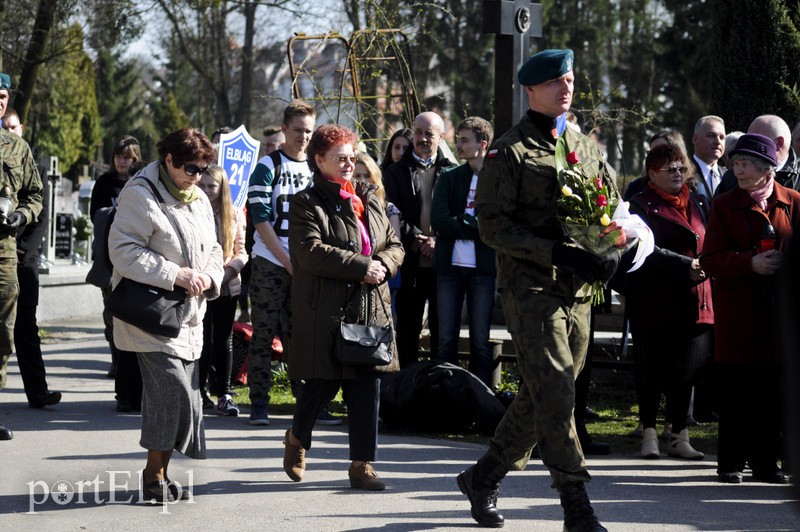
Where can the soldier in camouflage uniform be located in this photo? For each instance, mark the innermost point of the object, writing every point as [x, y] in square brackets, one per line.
[542, 281]
[20, 182]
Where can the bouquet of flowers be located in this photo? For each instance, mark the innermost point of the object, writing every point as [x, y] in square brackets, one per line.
[585, 208]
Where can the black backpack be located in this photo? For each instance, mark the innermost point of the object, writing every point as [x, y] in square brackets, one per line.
[100, 273]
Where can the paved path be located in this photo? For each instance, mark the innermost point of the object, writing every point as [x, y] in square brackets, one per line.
[242, 485]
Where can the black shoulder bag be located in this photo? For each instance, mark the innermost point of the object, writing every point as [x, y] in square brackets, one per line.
[150, 308]
[365, 345]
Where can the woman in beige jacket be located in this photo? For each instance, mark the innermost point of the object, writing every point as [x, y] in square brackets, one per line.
[169, 245]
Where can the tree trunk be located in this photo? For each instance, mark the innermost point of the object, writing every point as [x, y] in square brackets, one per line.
[243, 112]
[34, 57]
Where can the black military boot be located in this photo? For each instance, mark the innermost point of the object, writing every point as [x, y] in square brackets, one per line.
[578, 513]
[481, 484]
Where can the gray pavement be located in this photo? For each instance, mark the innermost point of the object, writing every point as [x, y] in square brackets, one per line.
[68, 466]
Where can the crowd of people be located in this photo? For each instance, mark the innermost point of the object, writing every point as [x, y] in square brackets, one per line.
[329, 236]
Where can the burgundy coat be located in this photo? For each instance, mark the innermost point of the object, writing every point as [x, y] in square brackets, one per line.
[746, 328]
[661, 294]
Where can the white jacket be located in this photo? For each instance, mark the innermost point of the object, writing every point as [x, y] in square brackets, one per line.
[144, 246]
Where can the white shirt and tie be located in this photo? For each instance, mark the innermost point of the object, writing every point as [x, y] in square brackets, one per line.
[711, 176]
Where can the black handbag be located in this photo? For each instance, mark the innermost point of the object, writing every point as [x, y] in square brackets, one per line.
[365, 345]
[150, 308]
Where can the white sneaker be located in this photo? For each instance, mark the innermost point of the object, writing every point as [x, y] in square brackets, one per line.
[650, 444]
[226, 406]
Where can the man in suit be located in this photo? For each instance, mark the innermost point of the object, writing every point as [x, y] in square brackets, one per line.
[709, 145]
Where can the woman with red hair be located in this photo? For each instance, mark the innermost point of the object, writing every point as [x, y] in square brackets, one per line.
[343, 250]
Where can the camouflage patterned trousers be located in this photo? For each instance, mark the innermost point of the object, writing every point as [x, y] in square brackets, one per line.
[9, 290]
[551, 338]
[271, 314]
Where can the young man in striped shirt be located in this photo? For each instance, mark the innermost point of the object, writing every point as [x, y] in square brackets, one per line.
[276, 178]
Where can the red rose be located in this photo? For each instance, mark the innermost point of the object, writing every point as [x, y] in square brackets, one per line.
[601, 201]
[572, 158]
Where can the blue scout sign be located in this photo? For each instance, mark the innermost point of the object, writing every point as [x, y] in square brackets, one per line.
[238, 155]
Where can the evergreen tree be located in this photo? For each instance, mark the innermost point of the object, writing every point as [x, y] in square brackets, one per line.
[64, 111]
[756, 64]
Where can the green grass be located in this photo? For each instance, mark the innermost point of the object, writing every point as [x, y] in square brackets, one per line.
[612, 396]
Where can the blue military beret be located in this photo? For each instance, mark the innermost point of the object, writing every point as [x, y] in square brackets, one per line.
[5, 82]
[545, 65]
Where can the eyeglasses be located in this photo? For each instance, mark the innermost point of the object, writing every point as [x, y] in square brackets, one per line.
[672, 169]
[344, 159]
[193, 169]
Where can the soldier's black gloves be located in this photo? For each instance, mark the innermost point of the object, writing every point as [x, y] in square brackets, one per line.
[14, 221]
[588, 267]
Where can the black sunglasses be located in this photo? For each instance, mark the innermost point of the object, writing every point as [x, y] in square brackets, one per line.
[193, 169]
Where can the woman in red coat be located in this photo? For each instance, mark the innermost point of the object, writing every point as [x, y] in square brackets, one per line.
[669, 300]
[749, 229]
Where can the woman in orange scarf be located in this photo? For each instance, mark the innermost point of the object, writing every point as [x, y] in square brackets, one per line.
[669, 299]
[343, 251]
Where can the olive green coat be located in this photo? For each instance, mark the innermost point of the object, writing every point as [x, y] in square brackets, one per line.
[516, 207]
[325, 249]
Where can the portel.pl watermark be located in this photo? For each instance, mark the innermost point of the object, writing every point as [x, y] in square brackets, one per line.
[112, 487]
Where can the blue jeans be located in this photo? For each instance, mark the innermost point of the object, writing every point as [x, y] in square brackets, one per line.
[479, 290]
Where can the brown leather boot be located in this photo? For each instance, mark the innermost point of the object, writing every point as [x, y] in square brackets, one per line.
[363, 477]
[294, 459]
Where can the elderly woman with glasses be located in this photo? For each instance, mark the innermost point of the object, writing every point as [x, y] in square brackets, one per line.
[170, 243]
[750, 229]
[343, 250]
[669, 300]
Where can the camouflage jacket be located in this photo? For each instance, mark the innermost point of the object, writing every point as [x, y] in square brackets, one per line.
[516, 207]
[18, 172]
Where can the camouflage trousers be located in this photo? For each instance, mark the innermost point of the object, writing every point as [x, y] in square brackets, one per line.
[9, 290]
[271, 314]
[551, 339]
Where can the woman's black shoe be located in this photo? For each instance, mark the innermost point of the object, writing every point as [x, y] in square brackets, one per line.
[179, 495]
[157, 491]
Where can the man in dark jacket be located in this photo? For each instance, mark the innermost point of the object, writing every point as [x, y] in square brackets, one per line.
[788, 172]
[409, 185]
[464, 264]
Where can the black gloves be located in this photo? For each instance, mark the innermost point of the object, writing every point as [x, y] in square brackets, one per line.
[14, 221]
[588, 267]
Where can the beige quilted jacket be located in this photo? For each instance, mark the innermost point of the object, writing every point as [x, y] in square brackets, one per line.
[144, 245]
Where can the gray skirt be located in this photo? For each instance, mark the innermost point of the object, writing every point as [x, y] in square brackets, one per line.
[172, 409]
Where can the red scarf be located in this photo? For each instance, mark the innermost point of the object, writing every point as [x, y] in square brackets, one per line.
[348, 191]
[680, 200]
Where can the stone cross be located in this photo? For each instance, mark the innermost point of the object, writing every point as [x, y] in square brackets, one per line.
[513, 23]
